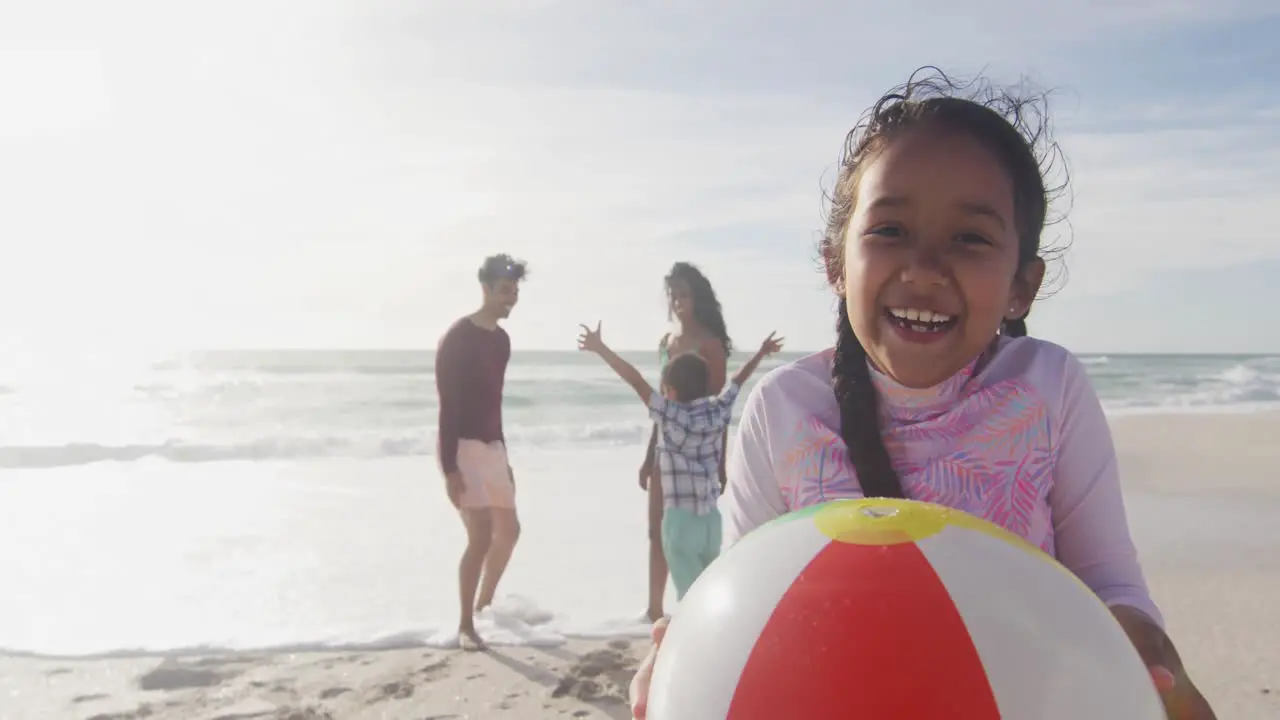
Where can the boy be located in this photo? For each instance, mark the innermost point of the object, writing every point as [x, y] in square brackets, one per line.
[691, 427]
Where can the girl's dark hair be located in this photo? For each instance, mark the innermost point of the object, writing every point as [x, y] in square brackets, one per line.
[706, 308]
[1015, 129]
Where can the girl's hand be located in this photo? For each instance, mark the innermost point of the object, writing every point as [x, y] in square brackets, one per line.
[1182, 701]
[771, 345]
[590, 340]
[640, 683]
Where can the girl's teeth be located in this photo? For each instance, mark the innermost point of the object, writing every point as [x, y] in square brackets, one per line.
[921, 316]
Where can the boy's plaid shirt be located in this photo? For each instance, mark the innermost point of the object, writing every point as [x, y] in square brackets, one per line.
[690, 445]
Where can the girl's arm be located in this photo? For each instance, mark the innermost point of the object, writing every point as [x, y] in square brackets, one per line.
[1091, 530]
[752, 496]
[1092, 533]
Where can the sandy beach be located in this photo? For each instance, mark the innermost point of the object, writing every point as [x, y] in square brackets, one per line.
[1203, 497]
[576, 680]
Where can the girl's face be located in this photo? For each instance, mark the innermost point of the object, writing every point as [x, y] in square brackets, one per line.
[681, 298]
[931, 256]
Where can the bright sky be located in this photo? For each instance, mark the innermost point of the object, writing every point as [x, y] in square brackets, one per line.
[272, 173]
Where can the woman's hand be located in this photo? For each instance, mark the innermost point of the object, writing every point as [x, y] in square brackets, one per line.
[640, 683]
[646, 472]
[1182, 701]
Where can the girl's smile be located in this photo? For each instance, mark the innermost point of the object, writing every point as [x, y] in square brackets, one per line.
[920, 326]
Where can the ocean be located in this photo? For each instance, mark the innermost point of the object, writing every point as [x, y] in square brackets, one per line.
[244, 500]
[222, 406]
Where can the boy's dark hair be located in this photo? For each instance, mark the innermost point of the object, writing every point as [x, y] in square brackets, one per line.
[1015, 129]
[502, 267]
[688, 375]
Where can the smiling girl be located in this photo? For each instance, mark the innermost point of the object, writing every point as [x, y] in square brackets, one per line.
[933, 391]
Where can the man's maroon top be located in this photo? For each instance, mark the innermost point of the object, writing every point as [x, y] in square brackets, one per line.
[471, 363]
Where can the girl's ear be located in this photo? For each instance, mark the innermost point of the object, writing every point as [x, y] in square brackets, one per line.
[1026, 285]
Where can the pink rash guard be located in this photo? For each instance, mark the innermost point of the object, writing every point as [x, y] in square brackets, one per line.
[1017, 438]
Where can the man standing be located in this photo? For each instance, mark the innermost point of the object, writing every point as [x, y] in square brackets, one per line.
[471, 365]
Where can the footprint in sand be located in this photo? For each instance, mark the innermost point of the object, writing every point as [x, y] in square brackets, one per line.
[584, 689]
[58, 671]
[177, 674]
[308, 713]
[334, 692]
[399, 690]
[511, 697]
[597, 675]
[431, 671]
[178, 678]
[89, 698]
[138, 713]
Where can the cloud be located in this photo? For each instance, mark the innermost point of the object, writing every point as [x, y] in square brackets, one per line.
[758, 46]
[1186, 310]
[1149, 201]
[287, 174]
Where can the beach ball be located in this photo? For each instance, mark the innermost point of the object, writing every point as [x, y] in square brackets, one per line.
[880, 609]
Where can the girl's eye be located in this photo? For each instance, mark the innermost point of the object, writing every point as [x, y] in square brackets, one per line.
[972, 239]
[886, 231]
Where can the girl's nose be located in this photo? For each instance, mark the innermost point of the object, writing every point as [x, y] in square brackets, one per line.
[925, 266]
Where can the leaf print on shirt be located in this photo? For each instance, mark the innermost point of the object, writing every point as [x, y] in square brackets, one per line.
[999, 469]
[816, 469]
[1017, 419]
[954, 481]
[1014, 501]
[988, 455]
[1003, 410]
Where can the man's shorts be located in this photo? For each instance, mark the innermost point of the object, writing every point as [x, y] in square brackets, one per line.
[486, 475]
